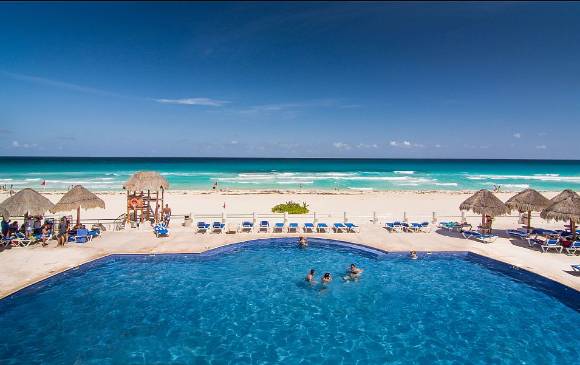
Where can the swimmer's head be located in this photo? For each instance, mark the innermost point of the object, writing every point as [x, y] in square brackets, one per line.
[327, 275]
[311, 271]
[352, 266]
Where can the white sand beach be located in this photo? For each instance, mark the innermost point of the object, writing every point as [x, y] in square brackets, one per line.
[21, 266]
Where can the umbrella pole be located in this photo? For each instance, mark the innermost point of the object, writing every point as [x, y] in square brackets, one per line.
[79, 216]
[573, 229]
[529, 219]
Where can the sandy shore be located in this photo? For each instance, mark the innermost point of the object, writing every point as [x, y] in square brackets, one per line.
[20, 267]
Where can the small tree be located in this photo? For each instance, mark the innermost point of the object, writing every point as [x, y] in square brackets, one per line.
[291, 208]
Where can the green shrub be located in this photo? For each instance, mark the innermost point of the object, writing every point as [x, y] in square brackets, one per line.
[291, 208]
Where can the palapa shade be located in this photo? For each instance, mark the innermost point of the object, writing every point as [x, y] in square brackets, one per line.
[146, 180]
[76, 198]
[563, 196]
[528, 201]
[485, 203]
[4, 213]
[26, 201]
[566, 209]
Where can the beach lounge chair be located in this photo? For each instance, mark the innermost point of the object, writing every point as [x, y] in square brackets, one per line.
[340, 228]
[94, 233]
[21, 240]
[82, 236]
[293, 228]
[485, 238]
[6, 241]
[575, 267]
[351, 227]
[217, 227]
[425, 227]
[247, 226]
[308, 228]
[575, 246]
[322, 228]
[522, 235]
[552, 243]
[414, 227]
[202, 227]
[160, 230]
[264, 226]
[394, 226]
[278, 227]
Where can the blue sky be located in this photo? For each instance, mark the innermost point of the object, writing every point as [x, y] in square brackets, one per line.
[482, 80]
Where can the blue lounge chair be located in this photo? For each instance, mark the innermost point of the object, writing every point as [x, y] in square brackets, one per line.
[351, 227]
[322, 228]
[575, 267]
[247, 226]
[264, 226]
[202, 227]
[552, 243]
[414, 227]
[522, 235]
[217, 227]
[161, 230]
[82, 236]
[575, 246]
[94, 233]
[278, 227]
[293, 228]
[425, 227]
[394, 226]
[340, 228]
[21, 240]
[485, 238]
[308, 228]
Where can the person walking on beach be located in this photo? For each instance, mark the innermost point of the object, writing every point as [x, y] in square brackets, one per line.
[166, 215]
[62, 231]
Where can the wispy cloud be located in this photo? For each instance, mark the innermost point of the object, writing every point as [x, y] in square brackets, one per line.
[366, 145]
[542, 147]
[405, 144]
[293, 106]
[17, 144]
[193, 101]
[341, 146]
[517, 135]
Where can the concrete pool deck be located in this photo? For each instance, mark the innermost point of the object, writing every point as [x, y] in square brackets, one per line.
[23, 266]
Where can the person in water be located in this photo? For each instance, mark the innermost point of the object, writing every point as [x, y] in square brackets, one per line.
[302, 242]
[413, 255]
[353, 272]
[310, 276]
[326, 278]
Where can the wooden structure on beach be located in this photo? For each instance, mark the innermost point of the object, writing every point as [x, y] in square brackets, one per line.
[145, 194]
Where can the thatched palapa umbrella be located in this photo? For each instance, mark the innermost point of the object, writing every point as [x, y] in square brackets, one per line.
[527, 201]
[485, 203]
[565, 206]
[4, 213]
[76, 198]
[26, 202]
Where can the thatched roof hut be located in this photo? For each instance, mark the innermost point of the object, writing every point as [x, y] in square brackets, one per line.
[566, 209]
[485, 203]
[76, 198]
[146, 180]
[565, 194]
[528, 200]
[4, 213]
[26, 201]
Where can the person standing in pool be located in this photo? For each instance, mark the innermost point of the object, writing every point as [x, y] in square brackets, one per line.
[353, 272]
[310, 277]
[413, 255]
[302, 242]
[326, 278]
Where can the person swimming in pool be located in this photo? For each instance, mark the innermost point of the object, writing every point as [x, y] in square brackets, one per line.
[302, 242]
[326, 278]
[310, 277]
[413, 255]
[353, 272]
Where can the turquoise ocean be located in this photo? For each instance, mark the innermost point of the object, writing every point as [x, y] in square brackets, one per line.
[307, 174]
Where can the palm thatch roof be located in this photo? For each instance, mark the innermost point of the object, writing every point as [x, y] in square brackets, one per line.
[26, 201]
[485, 203]
[566, 209]
[4, 213]
[78, 197]
[146, 180]
[528, 200]
[563, 196]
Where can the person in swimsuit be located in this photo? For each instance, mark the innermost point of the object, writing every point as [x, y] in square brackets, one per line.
[413, 255]
[326, 278]
[166, 215]
[353, 272]
[302, 242]
[310, 277]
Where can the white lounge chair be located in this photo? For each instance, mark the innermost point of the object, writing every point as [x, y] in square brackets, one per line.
[552, 243]
[575, 246]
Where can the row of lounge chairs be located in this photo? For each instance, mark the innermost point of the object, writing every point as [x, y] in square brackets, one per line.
[266, 227]
[551, 239]
[81, 235]
[397, 226]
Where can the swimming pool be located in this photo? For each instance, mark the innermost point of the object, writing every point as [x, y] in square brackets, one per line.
[249, 304]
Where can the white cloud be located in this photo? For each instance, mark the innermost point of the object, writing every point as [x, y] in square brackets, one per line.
[438, 146]
[341, 146]
[193, 101]
[365, 145]
[405, 144]
[517, 135]
[17, 144]
[234, 142]
[542, 147]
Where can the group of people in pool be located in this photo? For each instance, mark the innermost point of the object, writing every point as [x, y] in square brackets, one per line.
[352, 273]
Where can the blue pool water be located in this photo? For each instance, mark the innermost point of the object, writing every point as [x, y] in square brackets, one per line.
[249, 304]
[275, 173]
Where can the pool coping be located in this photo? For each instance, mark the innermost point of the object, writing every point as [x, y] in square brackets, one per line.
[562, 292]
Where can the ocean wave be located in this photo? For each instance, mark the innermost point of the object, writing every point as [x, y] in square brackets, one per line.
[404, 172]
[545, 177]
[516, 186]
[294, 182]
[446, 184]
